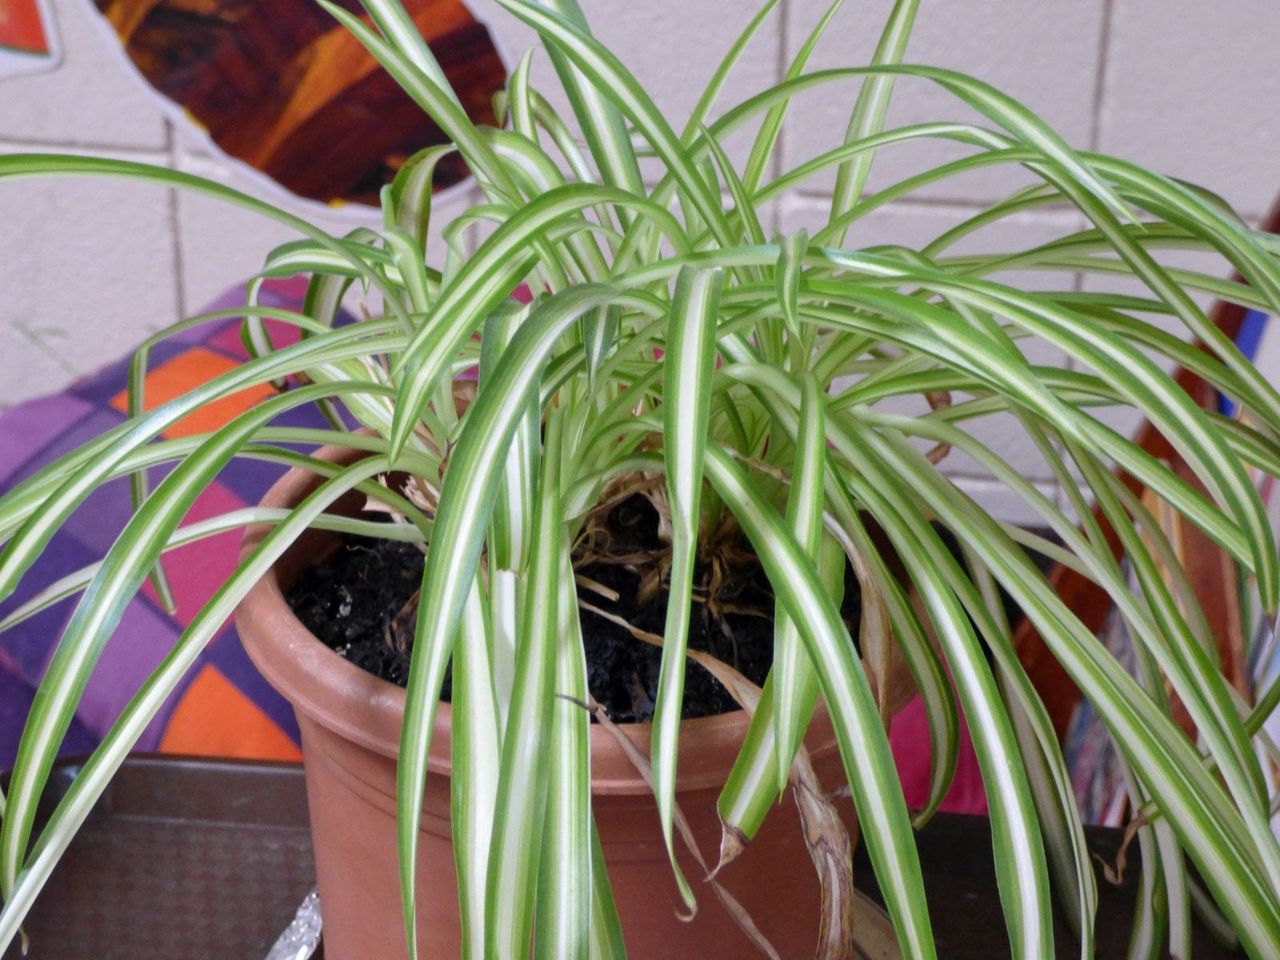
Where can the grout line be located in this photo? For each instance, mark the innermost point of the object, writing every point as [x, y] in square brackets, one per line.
[1100, 77]
[1061, 213]
[965, 204]
[26, 143]
[34, 337]
[974, 486]
[964, 475]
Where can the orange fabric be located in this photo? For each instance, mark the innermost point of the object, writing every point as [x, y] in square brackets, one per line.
[182, 374]
[214, 719]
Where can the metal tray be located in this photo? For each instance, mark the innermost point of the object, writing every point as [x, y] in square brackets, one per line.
[209, 859]
[199, 859]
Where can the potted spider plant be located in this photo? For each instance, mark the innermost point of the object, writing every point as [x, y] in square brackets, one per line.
[738, 392]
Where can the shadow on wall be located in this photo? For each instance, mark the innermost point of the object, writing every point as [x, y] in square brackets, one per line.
[278, 84]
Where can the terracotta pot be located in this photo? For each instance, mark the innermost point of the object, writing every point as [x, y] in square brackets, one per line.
[350, 722]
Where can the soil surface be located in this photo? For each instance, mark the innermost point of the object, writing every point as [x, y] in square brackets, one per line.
[351, 600]
[362, 603]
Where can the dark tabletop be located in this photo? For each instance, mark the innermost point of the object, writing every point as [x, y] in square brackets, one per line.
[208, 860]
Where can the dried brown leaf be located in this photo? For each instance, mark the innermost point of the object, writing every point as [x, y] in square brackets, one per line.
[882, 658]
[831, 849]
[826, 837]
[595, 586]
[735, 909]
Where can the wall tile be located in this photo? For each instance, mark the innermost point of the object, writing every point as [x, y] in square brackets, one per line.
[223, 245]
[89, 272]
[672, 48]
[1127, 420]
[28, 366]
[1046, 56]
[914, 226]
[1191, 90]
[1185, 90]
[1003, 504]
[220, 245]
[93, 97]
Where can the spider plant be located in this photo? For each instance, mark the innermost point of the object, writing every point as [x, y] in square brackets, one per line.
[670, 336]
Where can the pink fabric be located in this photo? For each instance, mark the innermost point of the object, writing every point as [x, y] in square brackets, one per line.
[909, 740]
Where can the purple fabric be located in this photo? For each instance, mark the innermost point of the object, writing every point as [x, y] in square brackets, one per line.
[34, 434]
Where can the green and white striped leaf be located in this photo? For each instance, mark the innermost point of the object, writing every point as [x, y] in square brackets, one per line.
[475, 755]
[688, 366]
[407, 202]
[95, 774]
[466, 502]
[870, 108]
[566, 883]
[602, 123]
[795, 680]
[788, 277]
[612, 79]
[767, 136]
[117, 579]
[483, 282]
[864, 746]
[519, 825]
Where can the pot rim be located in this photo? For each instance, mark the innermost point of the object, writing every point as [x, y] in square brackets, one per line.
[368, 711]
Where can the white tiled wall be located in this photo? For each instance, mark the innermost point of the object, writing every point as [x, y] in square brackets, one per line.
[89, 267]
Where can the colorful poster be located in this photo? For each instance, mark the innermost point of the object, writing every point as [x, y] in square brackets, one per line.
[281, 87]
[28, 41]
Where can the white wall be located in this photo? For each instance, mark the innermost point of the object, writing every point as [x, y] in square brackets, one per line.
[87, 267]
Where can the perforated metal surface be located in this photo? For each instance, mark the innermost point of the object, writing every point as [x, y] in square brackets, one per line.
[183, 860]
[201, 860]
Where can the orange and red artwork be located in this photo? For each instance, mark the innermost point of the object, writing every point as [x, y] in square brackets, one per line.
[279, 85]
[22, 27]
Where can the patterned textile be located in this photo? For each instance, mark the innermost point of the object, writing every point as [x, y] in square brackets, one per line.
[224, 708]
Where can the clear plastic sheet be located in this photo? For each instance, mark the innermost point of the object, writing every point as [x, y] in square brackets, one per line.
[302, 936]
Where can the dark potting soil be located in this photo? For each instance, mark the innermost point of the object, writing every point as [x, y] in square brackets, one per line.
[354, 600]
[362, 604]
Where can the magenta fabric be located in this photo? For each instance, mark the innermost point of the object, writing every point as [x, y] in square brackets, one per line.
[909, 740]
